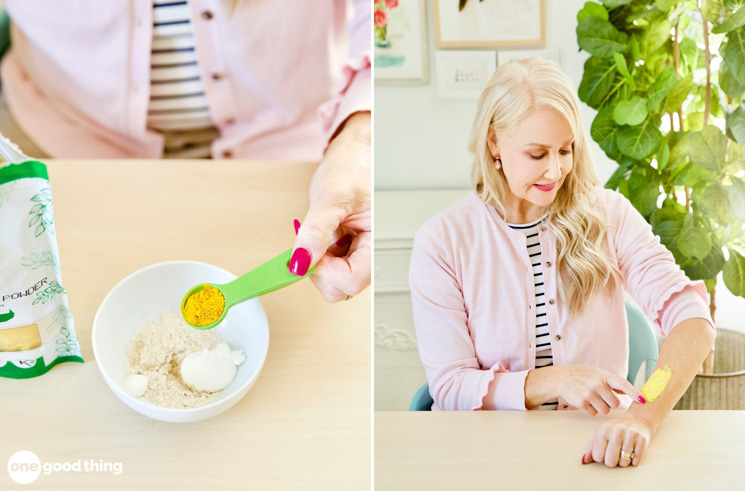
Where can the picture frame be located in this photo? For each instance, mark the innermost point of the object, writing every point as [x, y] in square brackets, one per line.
[400, 42]
[464, 74]
[490, 23]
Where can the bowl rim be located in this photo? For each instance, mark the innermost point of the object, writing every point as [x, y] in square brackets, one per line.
[166, 410]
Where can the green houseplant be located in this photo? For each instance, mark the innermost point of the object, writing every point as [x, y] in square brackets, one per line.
[667, 79]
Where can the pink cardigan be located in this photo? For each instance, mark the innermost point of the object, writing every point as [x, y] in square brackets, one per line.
[474, 302]
[278, 78]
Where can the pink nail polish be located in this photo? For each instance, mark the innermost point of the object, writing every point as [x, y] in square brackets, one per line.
[297, 225]
[344, 240]
[641, 399]
[300, 262]
[583, 460]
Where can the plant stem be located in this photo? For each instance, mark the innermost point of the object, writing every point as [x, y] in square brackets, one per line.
[676, 63]
[707, 53]
[708, 367]
[688, 198]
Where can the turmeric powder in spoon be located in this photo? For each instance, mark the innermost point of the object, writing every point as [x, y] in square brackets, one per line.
[204, 307]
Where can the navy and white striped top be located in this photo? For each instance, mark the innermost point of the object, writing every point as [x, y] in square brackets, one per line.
[543, 354]
[178, 106]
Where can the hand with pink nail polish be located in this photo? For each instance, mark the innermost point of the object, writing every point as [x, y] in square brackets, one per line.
[335, 234]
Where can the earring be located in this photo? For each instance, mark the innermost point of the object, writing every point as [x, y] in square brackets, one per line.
[498, 161]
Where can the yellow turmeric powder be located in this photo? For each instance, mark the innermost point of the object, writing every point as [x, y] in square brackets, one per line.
[204, 307]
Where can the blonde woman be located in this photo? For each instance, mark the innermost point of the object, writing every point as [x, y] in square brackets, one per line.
[518, 288]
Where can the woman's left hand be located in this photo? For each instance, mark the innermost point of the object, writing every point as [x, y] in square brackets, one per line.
[629, 434]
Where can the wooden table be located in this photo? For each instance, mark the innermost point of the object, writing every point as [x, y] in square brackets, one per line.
[697, 450]
[306, 422]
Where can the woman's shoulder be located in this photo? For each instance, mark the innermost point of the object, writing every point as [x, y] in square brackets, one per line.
[445, 224]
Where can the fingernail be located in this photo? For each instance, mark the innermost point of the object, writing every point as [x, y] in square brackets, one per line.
[297, 225]
[300, 262]
[344, 241]
[641, 399]
[583, 460]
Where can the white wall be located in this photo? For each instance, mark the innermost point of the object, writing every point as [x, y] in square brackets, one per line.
[420, 140]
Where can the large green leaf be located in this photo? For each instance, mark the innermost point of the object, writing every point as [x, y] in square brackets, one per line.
[665, 5]
[734, 273]
[678, 94]
[668, 231]
[616, 177]
[708, 267]
[680, 150]
[599, 37]
[660, 88]
[733, 22]
[663, 156]
[603, 126]
[735, 157]
[692, 54]
[736, 125]
[643, 193]
[669, 211]
[730, 85]
[592, 9]
[656, 35]
[734, 4]
[639, 141]
[614, 3]
[737, 197]
[693, 242]
[708, 148]
[734, 53]
[631, 112]
[716, 201]
[711, 9]
[597, 80]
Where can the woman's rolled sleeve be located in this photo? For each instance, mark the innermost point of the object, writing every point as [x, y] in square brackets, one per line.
[456, 380]
[650, 273]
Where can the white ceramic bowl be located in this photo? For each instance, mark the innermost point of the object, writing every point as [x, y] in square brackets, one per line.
[145, 295]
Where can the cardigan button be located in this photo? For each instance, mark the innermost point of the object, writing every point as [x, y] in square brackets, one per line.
[558, 337]
[543, 228]
[552, 301]
[548, 264]
[207, 15]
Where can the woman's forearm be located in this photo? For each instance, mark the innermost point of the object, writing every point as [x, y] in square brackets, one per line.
[683, 352]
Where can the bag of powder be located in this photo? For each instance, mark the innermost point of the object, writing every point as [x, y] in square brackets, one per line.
[36, 326]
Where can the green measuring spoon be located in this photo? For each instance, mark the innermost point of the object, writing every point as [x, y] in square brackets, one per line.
[270, 276]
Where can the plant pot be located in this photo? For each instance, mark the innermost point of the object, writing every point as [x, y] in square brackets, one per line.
[725, 388]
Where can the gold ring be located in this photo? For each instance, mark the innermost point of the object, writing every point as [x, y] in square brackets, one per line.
[349, 297]
[627, 455]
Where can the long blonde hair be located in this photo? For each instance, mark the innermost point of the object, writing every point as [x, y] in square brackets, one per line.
[515, 90]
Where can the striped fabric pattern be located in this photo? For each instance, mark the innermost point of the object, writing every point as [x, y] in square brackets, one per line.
[543, 354]
[178, 106]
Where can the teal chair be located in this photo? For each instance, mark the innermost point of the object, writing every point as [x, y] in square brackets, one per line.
[642, 347]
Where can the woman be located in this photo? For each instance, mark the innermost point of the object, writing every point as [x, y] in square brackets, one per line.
[518, 288]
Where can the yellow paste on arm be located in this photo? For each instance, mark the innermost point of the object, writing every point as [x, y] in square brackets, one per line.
[657, 383]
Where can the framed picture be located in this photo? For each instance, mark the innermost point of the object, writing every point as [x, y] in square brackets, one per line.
[505, 56]
[400, 38]
[464, 74]
[490, 23]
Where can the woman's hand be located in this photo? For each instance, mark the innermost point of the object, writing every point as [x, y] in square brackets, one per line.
[628, 434]
[593, 389]
[335, 233]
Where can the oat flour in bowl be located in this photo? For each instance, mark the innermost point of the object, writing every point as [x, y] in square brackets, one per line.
[157, 353]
